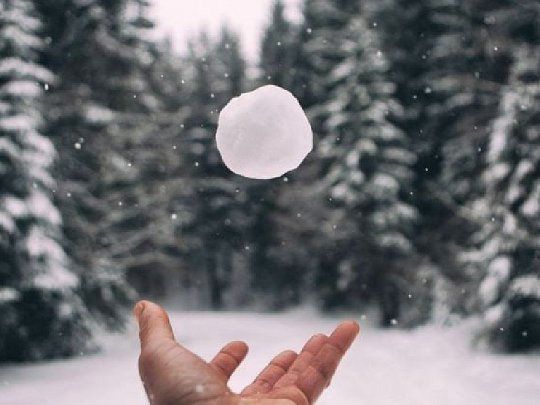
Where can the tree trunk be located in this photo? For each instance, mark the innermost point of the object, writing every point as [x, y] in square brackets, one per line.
[214, 283]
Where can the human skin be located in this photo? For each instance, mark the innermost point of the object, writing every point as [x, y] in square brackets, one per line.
[173, 375]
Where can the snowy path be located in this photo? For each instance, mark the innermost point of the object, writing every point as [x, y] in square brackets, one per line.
[428, 366]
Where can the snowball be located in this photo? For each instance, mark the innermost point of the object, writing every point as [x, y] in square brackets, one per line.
[264, 133]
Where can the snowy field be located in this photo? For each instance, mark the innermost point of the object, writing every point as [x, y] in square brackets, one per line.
[427, 366]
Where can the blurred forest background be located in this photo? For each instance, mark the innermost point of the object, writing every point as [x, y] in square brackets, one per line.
[420, 201]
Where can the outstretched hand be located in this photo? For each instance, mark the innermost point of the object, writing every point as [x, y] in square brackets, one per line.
[173, 375]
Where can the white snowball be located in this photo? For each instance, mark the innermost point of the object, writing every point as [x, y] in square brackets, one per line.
[264, 133]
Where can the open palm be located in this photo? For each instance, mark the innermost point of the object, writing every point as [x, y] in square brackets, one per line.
[173, 375]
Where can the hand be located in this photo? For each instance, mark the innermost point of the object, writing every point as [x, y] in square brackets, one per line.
[172, 375]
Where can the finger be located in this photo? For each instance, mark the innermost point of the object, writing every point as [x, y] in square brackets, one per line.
[153, 322]
[229, 358]
[310, 349]
[323, 366]
[271, 373]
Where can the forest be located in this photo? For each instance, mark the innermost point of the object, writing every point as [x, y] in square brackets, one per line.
[420, 200]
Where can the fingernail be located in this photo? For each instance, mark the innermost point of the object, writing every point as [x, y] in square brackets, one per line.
[357, 328]
[138, 309]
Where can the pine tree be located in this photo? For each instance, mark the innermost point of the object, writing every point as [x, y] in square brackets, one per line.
[316, 55]
[507, 240]
[95, 51]
[313, 46]
[217, 230]
[41, 315]
[368, 173]
[277, 277]
[149, 184]
[277, 49]
[448, 74]
[137, 228]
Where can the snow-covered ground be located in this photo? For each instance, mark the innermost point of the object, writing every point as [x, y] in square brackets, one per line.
[427, 366]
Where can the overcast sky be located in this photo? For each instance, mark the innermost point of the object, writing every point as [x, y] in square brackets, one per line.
[180, 18]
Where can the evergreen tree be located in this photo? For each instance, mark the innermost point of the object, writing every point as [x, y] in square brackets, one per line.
[149, 183]
[318, 52]
[367, 170]
[277, 275]
[136, 227]
[278, 49]
[95, 52]
[462, 84]
[217, 230]
[448, 75]
[507, 240]
[41, 315]
[312, 50]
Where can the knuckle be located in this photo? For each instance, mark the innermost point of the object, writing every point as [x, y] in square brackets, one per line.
[147, 359]
[231, 357]
[144, 361]
[336, 349]
[324, 371]
[264, 382]
[289, 353]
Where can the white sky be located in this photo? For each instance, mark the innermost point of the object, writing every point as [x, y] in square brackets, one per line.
[182, 18]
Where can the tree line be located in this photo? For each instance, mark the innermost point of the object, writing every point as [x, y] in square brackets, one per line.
[421, 198]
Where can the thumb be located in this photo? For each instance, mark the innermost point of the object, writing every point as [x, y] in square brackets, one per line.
[154, 325]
